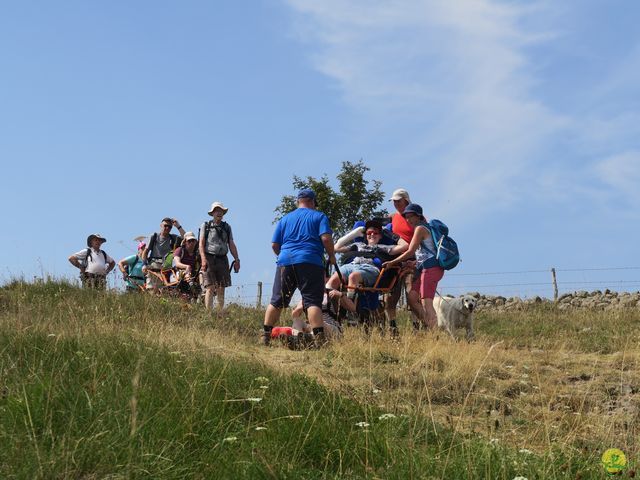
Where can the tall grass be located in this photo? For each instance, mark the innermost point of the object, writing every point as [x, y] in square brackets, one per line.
[98, 385]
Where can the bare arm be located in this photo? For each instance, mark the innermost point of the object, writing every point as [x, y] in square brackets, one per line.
[234, 251]
[203, 256]
[177, 224]
[112, 265]
[179, 264]
[122, 266]
[276, 248]
[327, 242]
[419, 234]
[76, 263]
[398, 249]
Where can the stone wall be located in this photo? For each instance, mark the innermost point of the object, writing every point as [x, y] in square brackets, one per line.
[596, 300]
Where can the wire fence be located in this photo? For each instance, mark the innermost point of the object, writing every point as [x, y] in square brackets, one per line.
[546, 283]
[514, 283]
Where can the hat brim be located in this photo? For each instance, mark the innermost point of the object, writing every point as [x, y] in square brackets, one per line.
[91, 237]
[225, 210]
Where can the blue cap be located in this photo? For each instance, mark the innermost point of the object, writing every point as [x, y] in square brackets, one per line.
[359, 223]
[307, 193]
[413, 208]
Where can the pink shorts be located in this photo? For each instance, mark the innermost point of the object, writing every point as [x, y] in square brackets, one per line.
[427, 282]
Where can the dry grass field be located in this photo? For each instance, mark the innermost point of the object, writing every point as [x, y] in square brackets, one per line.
[539, 382]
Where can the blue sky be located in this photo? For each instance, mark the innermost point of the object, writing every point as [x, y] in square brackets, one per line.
[517, 123]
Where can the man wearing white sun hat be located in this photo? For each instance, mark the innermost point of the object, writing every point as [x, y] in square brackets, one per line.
[216, 241]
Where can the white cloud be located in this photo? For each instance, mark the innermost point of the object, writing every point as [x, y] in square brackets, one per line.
[453, 87]
[621, 173]
[459, 70]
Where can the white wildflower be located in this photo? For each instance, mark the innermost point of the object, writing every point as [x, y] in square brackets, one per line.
[258, 429]
[520, 478]
[263, 387]
[293, 416]
[51, 335]
[376, 391]
[362, 424]
[261, 379]
[229, 439]
[254, 399]
[526, 451]
[494, 441]
[386, 416]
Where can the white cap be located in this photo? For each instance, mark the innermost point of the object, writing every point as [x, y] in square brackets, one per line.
[189, 236]
[215, 205]
[400, 193]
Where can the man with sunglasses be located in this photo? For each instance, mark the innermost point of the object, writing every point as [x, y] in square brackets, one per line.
[160, 245]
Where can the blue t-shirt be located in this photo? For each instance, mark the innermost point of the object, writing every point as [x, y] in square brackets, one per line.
[136, 277]
[298, 234]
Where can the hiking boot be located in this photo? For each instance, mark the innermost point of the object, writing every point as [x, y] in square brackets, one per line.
[320, 340]
[265, 339]
[394, 332]
[306, 341]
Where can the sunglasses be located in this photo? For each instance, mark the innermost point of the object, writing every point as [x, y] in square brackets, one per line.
[166, 226]
[191, 240]
[372, 232]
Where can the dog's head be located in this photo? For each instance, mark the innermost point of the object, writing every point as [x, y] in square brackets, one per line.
[469, 303]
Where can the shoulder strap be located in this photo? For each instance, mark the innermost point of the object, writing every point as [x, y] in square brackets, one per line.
[104, 254]
[152, 243]
[88, 255]
[207, 227]
[226, 228]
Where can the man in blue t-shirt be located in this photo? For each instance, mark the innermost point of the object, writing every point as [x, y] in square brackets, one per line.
[299, 241]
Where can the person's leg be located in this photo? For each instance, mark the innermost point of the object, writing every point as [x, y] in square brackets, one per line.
[355, 280]
[209, 293]
[315, 317]
[220, 294]
[310, 280]
[413, 298]
[334, 282]
[391, 302]
[430, 312]
[272, 315]
[429, 279]
[284, 285]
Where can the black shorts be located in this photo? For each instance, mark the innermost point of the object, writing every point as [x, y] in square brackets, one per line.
[306, 277]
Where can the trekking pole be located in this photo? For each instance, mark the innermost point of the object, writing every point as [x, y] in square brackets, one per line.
[339, 273]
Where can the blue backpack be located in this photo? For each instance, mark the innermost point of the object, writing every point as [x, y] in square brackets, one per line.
[447, 253]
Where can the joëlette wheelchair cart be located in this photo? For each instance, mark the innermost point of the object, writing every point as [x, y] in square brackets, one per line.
[369, 301]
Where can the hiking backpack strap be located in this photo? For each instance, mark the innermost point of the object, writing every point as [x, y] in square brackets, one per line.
[152, 243]
[89, 256]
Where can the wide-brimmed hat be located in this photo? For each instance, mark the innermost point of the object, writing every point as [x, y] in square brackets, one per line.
[188, 236]
[400, 193]
[219, 205]
[95, 235]
[413, 208]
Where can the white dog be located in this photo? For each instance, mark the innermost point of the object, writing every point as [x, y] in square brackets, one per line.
[455, 312]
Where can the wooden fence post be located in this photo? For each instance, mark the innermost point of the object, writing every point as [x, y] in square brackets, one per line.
[259, 299]
[555, 285]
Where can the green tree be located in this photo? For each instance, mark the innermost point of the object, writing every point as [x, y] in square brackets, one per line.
[355, 199]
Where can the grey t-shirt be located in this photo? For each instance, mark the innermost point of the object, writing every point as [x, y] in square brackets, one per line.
[217, 241]
[161, 247]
